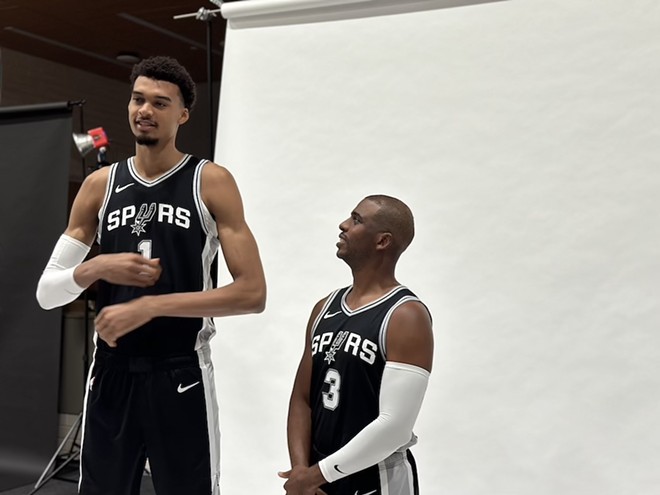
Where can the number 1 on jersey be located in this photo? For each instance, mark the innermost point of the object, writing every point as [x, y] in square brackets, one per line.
[145, 248]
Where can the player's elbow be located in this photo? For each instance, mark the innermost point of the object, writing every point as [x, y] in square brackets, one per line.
[42, 299]
[252, 297]
[45, 296]
[57, 288]
[258, 299]
[401, 438]
[398, 431]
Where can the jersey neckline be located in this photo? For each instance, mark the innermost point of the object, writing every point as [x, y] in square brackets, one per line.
[150, 183]
[346, 309]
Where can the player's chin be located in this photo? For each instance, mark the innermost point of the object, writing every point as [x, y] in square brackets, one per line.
[143, 140]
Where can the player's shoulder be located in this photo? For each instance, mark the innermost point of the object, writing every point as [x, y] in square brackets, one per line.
[100, 174]
[217, 177]
[216, 173]
[96, 182]
[412, 311]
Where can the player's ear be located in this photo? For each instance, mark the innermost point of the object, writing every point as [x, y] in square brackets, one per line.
[185, 115]
[384, 240]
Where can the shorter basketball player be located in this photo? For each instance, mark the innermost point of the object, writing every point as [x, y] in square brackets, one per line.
[160, 217]
[364, 370]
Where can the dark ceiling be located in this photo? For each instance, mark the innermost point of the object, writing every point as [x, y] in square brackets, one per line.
[90, 35]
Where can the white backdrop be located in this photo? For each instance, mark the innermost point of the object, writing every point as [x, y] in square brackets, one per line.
[525, 137]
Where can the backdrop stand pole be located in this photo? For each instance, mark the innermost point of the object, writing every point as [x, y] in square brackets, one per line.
[209, 78]
[207, 16]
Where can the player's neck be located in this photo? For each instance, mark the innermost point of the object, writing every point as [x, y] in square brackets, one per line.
[153, 161]
[369, 287]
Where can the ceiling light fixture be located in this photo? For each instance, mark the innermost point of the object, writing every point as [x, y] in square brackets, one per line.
[128, 57]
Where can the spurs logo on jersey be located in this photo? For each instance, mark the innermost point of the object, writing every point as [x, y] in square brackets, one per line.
[161, 212]
[339, 340]
[143, 217]
[344, 341]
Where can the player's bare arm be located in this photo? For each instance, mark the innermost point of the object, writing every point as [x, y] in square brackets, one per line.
[302, 478]
[410, 336]
[83, 220]
[247, 292]
[299, 420]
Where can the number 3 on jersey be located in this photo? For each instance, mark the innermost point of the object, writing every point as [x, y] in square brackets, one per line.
[331, 397]
[145, 248]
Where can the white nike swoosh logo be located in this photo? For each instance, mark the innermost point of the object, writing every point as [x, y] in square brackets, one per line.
[181, 389]
[330, 315]
[370, 493]
[119, 189]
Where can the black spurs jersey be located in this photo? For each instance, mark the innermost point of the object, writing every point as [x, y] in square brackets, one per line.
[166, 219]
[348, 359]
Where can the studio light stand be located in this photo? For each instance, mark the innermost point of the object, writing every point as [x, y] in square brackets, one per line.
[207, 16]
[63, 457]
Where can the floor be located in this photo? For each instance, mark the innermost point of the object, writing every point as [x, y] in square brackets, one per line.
[60, 487]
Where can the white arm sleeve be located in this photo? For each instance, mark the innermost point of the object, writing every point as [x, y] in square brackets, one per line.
[401, 393]
[57, 286]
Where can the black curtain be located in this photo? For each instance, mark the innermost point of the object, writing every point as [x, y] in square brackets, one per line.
[35, 148]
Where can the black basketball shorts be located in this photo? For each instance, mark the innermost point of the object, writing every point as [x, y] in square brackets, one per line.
[161, 409]
[396, 475]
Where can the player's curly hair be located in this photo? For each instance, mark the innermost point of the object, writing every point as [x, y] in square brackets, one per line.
[162, 68]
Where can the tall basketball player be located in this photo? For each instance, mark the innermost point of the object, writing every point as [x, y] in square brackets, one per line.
[159, 218]
[364, 370]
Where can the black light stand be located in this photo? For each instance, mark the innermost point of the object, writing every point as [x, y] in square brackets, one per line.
[64, 457]
[207, 16]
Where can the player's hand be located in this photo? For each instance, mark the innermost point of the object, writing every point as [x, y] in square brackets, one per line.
[298, 482]
[117, 320]
[129, 269]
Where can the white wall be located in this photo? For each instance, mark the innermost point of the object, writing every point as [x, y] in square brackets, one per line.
[525, 138]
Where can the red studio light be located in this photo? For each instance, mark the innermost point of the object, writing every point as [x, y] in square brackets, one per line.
[99, 137]
[94, 139]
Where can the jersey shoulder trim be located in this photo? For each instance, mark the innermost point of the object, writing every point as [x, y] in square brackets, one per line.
[108, 192]
[206, 219]
[382, 333]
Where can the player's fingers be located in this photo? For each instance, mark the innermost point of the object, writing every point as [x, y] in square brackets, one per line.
[152, 271]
